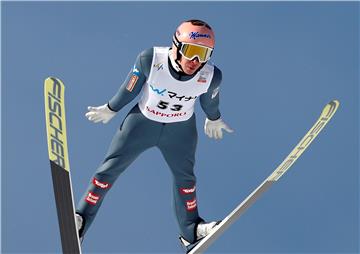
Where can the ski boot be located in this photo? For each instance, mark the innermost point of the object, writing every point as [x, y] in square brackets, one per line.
[80, 226]
[202, 230]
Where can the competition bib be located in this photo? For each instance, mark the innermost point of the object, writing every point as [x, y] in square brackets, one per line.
[165, 99]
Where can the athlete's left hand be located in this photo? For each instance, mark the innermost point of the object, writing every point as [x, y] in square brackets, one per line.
[213, 129]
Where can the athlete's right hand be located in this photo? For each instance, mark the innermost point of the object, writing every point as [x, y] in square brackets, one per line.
[100, 114]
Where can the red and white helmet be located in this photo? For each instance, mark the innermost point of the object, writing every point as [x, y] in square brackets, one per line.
[194, 38]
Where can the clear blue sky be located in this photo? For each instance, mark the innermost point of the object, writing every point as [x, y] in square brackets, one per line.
[281, 63]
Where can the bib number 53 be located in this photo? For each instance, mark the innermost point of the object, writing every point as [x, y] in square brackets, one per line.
[165, 105]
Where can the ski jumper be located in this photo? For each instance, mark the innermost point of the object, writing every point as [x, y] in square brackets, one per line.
[164, 118]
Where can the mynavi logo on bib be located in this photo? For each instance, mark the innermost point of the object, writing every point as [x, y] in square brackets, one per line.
[195, 35]
[157, 90]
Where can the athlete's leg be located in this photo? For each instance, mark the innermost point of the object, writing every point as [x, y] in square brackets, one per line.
[178, 144]
[136, 134]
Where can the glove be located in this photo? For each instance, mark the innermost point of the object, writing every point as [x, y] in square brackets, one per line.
[213, 129]
[100, 114]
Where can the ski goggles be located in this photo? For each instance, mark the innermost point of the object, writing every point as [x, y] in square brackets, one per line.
[190, 51]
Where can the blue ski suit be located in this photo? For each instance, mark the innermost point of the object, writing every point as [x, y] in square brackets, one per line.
[176, 140]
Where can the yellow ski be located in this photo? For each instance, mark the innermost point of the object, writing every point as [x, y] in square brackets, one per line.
[59, 162]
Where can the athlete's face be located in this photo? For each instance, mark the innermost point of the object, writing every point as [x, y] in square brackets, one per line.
[189, 66]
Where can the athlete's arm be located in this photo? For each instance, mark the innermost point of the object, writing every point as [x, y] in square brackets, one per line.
[209, 101]
[133, 82]
[127, 92]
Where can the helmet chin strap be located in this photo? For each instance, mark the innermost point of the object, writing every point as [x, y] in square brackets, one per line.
[174, 63]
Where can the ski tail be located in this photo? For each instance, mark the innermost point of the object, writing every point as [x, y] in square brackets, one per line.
[326, 114]
[54, 91]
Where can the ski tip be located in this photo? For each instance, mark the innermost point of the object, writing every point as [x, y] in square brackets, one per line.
[50, 78]
[335, 101]
[330, 108]
[54, 92]
[53, 79]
